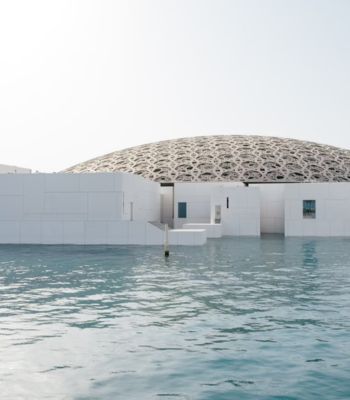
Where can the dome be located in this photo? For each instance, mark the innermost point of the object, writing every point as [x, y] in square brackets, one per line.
[227, 158]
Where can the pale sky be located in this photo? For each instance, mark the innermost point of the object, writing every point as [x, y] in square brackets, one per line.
[82, 78]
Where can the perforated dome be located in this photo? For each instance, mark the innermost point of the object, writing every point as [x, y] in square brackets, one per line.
[227, 158]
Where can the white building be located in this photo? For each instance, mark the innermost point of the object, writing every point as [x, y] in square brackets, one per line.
[12, 169]
[201, 187]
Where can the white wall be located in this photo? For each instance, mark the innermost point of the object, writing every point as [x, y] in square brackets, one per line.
[242, 217]
[12, 169]
[271, 207]
[76, 208]
[167, 205]
[332, 209]
[197, 196]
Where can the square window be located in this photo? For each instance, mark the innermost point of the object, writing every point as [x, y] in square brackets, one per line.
[182, 210]
[309, 209]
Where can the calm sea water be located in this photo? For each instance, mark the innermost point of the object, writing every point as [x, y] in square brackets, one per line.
[236, 319]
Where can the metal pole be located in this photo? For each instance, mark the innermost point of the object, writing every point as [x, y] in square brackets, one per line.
[166, 241]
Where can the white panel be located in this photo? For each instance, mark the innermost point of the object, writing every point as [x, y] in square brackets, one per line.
[34, 183]
[74, 232]
[52, 232]
[293, 209]
[212, 230]
[154, 236]
[30, 232]
[104, 206]
[337, 227]
[11, 207]
[248, 227]
[97, 182]
[33, 203]
[62, 203]
[340, 191]
[62, 182]
[309, 228]
[347, 226]
[9, 232]
[322, 228]
[186, 238]
[173, 238]
[200, 238]
[137, 233]
[117, 232]
[11, 184]
[198, 210]
[293, 228]
[96, 232]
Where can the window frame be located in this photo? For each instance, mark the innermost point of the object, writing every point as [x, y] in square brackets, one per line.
[182, 209]
[309, 209]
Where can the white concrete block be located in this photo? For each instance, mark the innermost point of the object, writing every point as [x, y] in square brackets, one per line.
[9, 232]
[200, 238]
[66, 203]
[95, 232]
[293, 209]
[98, 182]
[347, 226]
[293, 228]
[33, 204]
[312, 191]
[11, 184]
[118, 232]
[212, 230]
[248, 227]
[337, 227]
[154, 236]
[309, 228]
[30, 232]
[62, 182]
[137, 232]
[34, 184]
[339, 190]
[186, 238]
[291, 191]
[11, 207]
[173, 237]
[52, 232]
[322, 228]
[74, 232]
[105, 206]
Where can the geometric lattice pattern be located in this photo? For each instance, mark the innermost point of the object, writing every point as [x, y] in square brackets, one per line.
[227, 158]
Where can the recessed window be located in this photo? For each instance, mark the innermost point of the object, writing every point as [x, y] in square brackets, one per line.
[227, 202]
[182, 210]
[309, 208]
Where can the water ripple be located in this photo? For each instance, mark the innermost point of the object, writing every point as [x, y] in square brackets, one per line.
[236, 319]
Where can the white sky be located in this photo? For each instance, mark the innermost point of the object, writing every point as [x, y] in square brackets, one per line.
[82, 78]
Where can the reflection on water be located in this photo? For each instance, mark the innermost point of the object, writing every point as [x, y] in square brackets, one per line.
[310, 253]
[236, 319]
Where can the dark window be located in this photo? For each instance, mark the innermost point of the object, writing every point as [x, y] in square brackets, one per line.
[182, 210]
[227, 202]
[309, 208]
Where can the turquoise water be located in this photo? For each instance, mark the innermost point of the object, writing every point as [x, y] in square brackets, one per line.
[236, 319]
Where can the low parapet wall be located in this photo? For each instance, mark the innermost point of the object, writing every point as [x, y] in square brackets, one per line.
[212, 230]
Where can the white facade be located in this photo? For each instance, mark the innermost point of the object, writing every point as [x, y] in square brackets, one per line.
[332, 209]
[121, 208]
[238, 206]
[78, 209]
[271, 207]
[12, 169]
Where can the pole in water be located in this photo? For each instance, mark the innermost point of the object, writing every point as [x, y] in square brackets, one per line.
[166, 241]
